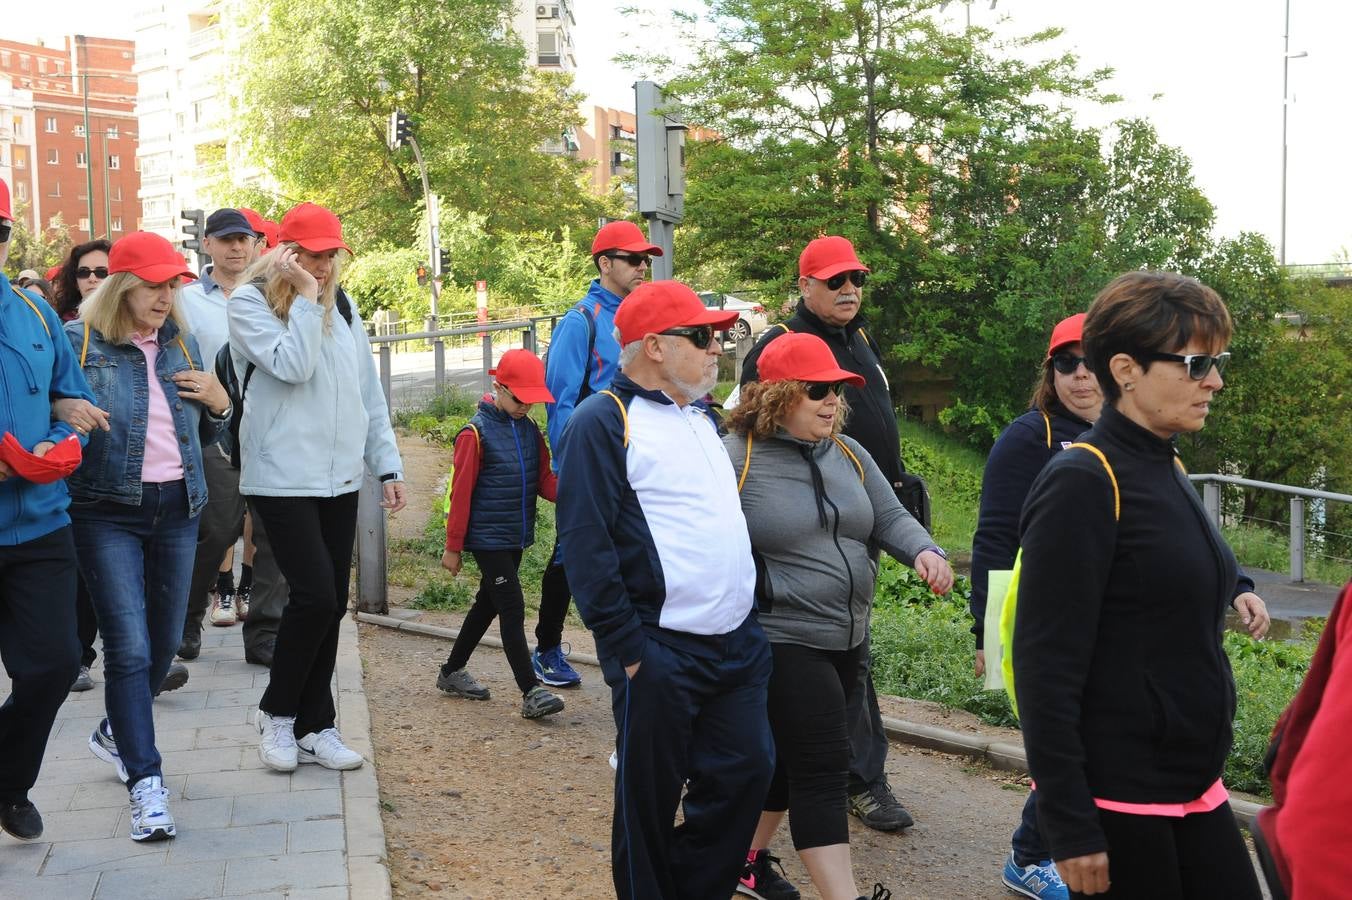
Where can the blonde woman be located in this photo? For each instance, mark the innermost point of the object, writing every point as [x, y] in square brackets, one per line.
[137, 495]
[314, 420]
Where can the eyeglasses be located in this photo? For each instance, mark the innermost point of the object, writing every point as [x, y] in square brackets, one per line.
[5, 228]
[634, 259]
[817, 390]
[856, 278]
[97, 272]
[700, 335]
[510, 395]
[1198, 364]
[1066, 364]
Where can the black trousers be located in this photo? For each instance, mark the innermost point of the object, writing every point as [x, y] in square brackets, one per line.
[868, 738]
[810, 690]
[40, 651]
[1195, 857]
[692, 722]
[312, 538]
[555, 596]
[86, 623]
[499, 595]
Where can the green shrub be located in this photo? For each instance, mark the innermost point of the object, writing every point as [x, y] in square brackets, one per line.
[1267, 676]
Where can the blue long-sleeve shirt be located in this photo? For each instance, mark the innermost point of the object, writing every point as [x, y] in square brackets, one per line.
[567, 364]
[37, 366]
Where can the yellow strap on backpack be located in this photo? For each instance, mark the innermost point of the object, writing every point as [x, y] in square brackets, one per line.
[624, 414]
[1009, 604]
[746, 463]
[84, 349]
[37, 312]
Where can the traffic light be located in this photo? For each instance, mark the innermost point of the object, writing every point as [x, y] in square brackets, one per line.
[195, 229]
[399, 131]
[422, 276]
[443, 262]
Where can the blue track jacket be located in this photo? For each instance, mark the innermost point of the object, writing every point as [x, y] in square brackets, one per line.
[567, 363]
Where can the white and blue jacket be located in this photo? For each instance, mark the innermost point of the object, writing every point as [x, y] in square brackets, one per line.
[653, 537]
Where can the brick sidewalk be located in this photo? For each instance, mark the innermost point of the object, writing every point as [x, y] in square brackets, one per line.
[243, 830]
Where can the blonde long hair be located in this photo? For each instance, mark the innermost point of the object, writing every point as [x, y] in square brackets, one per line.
[281, 293]
[106, 310]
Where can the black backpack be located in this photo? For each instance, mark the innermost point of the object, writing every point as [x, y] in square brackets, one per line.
[229, 379]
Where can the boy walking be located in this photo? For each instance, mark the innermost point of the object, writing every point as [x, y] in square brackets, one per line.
[501, 464]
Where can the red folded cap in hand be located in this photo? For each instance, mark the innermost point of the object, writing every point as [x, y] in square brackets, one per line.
[60, 461]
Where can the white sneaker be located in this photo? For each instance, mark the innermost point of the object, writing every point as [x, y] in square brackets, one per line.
[150, 819]
[223, 610]
[327, 748]
[278, 747]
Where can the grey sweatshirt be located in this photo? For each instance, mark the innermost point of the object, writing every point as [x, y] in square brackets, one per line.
[814, 575]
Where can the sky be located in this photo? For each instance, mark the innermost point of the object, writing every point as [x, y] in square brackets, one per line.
[1207, 73]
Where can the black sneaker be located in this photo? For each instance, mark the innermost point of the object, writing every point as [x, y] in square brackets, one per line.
[191, 645]
[21, 820]
[175, 678]
[261, 653]
[879, 893]
[878, 809]
[760, 881]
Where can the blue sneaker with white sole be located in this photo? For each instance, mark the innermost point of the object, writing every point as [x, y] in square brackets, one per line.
[551, 667]
[1040, 880]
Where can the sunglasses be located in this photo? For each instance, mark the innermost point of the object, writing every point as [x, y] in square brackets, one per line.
[5, 229]
[837, 281]
[97, 272]
[700, 335]
[817, 390]
[1198, 364]
[1066, 364]
[634, 259]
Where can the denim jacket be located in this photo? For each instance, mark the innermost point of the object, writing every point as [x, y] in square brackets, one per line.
[116, 374]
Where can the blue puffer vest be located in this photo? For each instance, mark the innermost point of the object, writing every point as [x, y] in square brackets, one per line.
[502, 511]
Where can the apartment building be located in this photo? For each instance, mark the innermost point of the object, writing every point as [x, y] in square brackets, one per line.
[49, 96]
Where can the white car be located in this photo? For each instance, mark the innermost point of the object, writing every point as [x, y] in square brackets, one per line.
[751, 318]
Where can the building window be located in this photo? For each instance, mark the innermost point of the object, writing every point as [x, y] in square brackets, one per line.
[55, 222]
[42, 65]
[111, 132]
[81, 161]
[51, 124]
[56, 189]
[116, 194]
[117, 224]
[548, 48]
[53, 156]
[24, 62]
[61, 67]
[79, 129]
[20, 157]
[4, 58]
[21, 190]
[114, 161]
[18, 127]
[84, 223]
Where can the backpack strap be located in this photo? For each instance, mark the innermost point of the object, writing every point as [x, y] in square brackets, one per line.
[859, 467]
[786, 328]
[23, 295]
[624, 414]
[746, 464]
[1047, 420]
[1117, 495]
[84, 347]
[590, 315]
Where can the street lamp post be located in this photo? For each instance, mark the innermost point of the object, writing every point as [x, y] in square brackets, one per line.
[89, 156]
[1287, 56]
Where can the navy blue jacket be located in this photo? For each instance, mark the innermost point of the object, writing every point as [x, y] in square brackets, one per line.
[502, 509]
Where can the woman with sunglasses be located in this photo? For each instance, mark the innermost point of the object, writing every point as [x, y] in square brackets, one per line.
[815, 504]
[1125, 693]
[136, 497]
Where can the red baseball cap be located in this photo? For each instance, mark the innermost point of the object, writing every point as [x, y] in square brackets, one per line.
[313, 227]
[522, 373]
[1067, 331]
[798, 356]
[625, 236]
[4, 202]
[60, 461]
[149, 257]
[827, 256]
[254, 219]
[655, 306]
[53, 272]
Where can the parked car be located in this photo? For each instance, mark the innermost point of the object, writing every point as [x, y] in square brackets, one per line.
[751, 318]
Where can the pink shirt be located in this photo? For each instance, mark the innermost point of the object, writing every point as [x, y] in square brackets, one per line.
[163, 460]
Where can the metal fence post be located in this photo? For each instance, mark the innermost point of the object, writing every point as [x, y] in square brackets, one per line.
[1211, 499]
[439, 365]
[488, 360]
[528, 339]
[386, 377]
[1297, 538]
[372, 584]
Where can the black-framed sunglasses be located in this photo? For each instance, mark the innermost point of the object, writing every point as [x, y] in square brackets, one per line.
[1198, 364]
[1067, 363]
[6, 228]
[817, 390]
[700, 335]
[97, 272]
[634, 259]
[856, 278]
[510, 396]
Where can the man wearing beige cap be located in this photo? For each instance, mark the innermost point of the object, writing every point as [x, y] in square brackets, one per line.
[660, 563]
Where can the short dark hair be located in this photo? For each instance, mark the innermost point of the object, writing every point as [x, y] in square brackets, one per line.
[1145, 312]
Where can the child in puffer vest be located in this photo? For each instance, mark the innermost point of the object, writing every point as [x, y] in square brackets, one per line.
[501, 464]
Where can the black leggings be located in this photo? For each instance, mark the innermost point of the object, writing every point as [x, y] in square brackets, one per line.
[1166, 858]
[499, 595]
[809, 690]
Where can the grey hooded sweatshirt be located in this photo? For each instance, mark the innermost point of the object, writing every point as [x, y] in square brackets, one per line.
[813, 511]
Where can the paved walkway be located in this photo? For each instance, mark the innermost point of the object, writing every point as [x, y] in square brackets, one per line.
[243, 830]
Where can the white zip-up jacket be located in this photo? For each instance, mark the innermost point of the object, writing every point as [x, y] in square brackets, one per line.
[314, 411]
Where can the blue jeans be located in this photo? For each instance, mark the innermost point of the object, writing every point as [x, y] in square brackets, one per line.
[137, 562]
[1027, 843]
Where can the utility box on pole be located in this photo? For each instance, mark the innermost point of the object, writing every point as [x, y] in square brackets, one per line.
[660, 160]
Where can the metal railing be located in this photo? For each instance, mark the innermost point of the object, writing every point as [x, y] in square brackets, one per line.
[1211, 499]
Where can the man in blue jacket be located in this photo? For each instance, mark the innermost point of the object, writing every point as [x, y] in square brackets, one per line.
[660, 562]
[37, 555]
[583, 358]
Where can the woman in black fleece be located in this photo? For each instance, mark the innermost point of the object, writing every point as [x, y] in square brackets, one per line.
[1126, 695]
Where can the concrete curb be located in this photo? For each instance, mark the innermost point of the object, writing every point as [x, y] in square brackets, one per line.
[368, 873]
[1004, 755]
